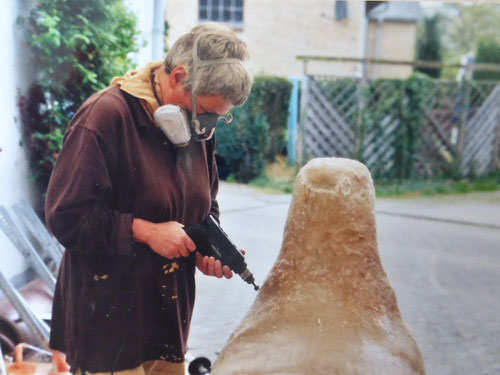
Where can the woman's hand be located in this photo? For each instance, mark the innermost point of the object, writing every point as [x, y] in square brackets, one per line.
[167, 239]
[211, 267]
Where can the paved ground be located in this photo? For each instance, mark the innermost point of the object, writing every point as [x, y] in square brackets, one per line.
[442, 256]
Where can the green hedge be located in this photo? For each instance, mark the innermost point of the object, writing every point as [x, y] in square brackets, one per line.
[274, 93]
[258, 131]
[241, 144]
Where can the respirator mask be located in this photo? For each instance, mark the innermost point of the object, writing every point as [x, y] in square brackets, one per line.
[182, 126]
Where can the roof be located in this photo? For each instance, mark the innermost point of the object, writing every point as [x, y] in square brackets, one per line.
[397, 11]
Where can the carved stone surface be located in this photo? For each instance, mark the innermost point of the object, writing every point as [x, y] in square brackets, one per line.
[326, 306]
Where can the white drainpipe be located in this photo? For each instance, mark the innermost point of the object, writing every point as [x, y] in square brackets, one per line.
[158, 30]
[363, 29]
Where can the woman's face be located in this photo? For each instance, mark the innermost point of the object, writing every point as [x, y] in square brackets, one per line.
[212, 103]
[206, 103]
[174, 93]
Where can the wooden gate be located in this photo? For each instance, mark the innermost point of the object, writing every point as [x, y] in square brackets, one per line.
[458, 125]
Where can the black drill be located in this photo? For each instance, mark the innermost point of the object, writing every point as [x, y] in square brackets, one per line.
[212, 241]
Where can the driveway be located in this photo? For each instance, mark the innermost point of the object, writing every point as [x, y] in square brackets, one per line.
[442, 256]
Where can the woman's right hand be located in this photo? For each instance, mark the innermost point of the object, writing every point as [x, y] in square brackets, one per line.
[167, 239]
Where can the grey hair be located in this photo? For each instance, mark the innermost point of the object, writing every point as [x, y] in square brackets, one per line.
[216, 42]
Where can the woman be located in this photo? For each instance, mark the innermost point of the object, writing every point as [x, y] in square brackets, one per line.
[121, 191]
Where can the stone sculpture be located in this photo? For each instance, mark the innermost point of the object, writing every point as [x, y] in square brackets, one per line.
[326, 306]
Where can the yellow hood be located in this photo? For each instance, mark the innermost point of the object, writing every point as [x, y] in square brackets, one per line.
[138, 83]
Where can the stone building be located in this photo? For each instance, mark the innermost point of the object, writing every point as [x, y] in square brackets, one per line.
[277, 31]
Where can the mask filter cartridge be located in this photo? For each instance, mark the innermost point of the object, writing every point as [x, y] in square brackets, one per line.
[173, 121]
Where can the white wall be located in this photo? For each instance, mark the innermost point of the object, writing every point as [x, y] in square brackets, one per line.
[14, 173]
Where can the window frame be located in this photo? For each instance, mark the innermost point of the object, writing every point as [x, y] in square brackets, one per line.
[223, 9]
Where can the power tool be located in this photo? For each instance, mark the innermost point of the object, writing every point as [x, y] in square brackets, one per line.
[212, 241]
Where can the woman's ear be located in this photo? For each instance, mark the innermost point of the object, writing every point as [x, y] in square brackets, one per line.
[177, 76]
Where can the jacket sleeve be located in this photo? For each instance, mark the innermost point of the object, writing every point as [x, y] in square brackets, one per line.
[214, 178]
[78, 205]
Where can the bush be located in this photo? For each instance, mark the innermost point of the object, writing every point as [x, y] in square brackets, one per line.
[241, 144]
[429, 46]
[274, 93]
[76, 48]
[488, 51]
[258, 132]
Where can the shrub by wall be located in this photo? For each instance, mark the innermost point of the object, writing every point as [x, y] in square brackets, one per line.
[258, 131]
[274, 93]
[241, 144]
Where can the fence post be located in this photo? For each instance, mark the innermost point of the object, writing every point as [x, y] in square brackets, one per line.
[496, 148]
[304, 97]
[463, 125]
[293, 117]
[358, 142]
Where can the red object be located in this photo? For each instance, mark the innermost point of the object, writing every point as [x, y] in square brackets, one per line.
[19, 367]
[22, 368]
[59, 361]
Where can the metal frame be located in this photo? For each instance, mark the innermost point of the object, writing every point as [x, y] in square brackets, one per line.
[26, 249]
[34, 225]
[37, 326]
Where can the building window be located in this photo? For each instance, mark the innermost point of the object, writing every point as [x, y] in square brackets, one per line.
[341, 10]
[229, 11]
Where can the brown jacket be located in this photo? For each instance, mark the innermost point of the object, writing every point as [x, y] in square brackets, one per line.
[118, 303]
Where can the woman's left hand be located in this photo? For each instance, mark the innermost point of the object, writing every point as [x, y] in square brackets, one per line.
[212, 267]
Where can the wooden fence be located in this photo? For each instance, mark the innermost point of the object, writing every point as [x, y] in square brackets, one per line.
[454, 130]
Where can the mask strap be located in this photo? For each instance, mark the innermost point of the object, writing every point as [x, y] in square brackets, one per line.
[153, 85]
[212, 131]
[197, 63]
[226, 118]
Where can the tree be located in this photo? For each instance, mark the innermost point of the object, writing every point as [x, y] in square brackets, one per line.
[466, 25]
[76, 48]
[429, 44]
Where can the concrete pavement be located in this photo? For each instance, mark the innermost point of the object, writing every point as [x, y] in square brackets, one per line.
[442, 256]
